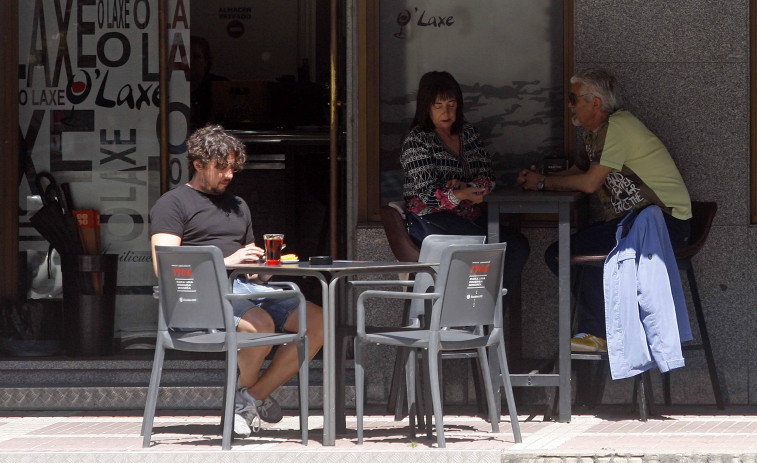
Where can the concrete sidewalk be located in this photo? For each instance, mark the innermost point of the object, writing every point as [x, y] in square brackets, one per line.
[700, 433]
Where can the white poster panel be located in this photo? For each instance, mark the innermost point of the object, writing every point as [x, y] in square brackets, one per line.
[88, 98]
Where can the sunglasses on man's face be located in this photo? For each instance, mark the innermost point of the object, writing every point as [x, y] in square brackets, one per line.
[573, 98]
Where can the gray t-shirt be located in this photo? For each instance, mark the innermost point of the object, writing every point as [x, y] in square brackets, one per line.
[201, 219]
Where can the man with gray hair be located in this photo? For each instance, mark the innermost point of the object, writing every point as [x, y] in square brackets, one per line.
[628, 168]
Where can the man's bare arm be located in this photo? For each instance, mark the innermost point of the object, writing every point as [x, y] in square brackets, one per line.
[575, 180]
[588, 182]
[162, 239]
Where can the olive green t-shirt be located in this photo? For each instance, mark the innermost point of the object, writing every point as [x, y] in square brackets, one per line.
[643, 171]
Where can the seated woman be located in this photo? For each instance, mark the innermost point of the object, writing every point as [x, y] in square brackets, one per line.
[448, 172]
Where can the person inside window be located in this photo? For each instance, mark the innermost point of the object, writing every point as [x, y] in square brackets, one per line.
[448, 172]
[201, 81]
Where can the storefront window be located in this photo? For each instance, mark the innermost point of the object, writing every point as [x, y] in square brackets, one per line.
[89, 96]
[508, 59]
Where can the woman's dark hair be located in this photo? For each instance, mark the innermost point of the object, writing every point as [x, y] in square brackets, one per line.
[433, 85]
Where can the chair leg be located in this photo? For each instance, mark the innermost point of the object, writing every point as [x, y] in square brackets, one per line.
[442, 385]
[705, 338]
[436, 396]
[395, 397]
[359, 384]
[422, 394]
[410, 364]
[303, 349]
[483, 362]
[429, 404]
[423, 384]
[647, 381]
[508, 385]
[552, 397]
[399, 379]
[477, 372]
[342, 346]
[643, 396]
[152, 393]
[228, 409]
[640, 398]
[598, 388]
[666, 387]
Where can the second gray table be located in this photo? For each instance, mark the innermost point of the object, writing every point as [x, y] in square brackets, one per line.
[515, 200]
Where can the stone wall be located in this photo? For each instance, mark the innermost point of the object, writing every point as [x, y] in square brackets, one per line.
[684, 68]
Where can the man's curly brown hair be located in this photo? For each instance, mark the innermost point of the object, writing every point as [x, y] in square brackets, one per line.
[213, 144]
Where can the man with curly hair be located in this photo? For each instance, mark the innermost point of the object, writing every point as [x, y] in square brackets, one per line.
[201, 212]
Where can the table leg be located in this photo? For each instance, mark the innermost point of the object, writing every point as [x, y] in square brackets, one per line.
[329, 367]
[493, 355]
[329, 436]
[340, 412]
[564, 312]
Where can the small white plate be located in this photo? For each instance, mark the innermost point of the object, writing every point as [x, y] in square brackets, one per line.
[290, 261]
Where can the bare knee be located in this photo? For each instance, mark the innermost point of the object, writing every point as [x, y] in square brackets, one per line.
[315, 323]
[256, 320]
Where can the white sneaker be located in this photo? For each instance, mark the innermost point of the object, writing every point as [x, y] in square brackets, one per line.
[244, 407]
[241, 428]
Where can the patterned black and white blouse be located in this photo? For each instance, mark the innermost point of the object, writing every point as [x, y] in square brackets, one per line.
[428, 165]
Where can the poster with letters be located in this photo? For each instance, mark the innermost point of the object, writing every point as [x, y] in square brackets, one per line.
[89, 93]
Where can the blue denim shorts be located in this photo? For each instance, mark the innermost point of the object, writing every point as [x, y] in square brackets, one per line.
[278, 309]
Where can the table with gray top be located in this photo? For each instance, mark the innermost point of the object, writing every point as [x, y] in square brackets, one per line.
[516, 201]
[329, 276]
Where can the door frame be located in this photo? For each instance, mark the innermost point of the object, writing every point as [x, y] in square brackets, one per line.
[9, 151]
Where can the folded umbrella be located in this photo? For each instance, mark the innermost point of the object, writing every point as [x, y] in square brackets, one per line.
[57, 225]
[54, 221]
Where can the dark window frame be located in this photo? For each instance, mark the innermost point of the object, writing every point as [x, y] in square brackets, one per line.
[753, 111]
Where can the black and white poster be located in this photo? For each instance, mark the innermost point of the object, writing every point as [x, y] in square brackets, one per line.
[89, 92]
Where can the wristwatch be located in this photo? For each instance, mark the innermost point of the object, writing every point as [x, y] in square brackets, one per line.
[540, 184]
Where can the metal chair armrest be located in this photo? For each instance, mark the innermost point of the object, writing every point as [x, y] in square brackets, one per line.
[284, 284]
[374, 283]
[360, 308]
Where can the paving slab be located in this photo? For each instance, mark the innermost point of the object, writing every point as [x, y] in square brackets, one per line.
[613, 434]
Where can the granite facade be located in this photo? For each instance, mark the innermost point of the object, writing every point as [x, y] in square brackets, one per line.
[684, 69]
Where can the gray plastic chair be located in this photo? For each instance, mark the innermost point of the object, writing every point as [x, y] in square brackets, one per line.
[468, 292]
[195, 314]
[431, 251]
